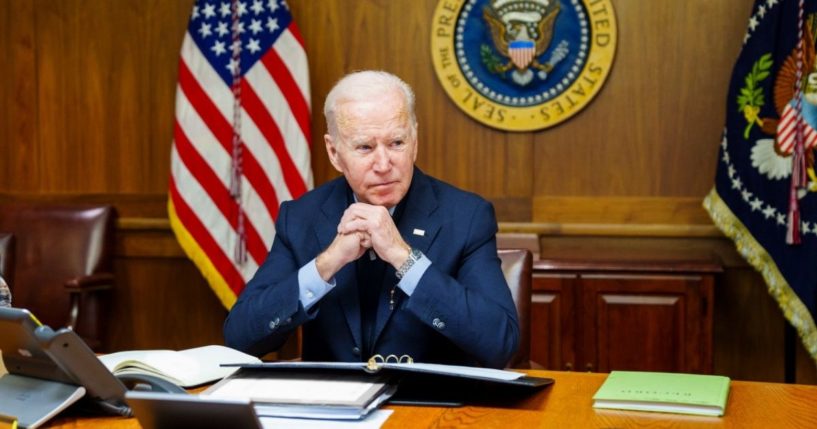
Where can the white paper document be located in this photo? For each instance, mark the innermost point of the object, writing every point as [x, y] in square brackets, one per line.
[308, 396]
[465, 371]
[433, 368]
[373, 421]
[323, 390]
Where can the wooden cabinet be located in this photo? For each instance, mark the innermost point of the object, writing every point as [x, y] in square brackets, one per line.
[622, 312]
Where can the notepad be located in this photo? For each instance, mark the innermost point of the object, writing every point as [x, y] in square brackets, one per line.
[664, 392]
[186, 368]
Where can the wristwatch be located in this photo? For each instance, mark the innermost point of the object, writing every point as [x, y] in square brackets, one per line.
[414, 256]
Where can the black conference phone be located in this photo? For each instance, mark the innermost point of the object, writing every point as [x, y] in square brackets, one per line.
[31, 349]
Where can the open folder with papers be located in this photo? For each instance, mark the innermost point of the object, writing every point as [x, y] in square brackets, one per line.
[416, 383]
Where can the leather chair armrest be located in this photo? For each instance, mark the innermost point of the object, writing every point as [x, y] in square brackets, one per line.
[85, 290]
[90, 283]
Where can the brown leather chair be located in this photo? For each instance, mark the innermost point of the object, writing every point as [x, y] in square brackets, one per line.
[7, 256]
[64, 259]
[519, 240]
[517, 265]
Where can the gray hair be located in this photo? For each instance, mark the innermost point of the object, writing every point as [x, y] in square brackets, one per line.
[363, 85]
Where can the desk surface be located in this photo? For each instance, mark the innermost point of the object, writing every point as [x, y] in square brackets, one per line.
[568, 403]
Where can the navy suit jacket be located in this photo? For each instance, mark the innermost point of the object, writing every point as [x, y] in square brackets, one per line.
[461, 312]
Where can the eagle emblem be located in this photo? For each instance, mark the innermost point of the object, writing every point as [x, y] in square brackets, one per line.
[523, 65]
[772, 156]
[521, 31]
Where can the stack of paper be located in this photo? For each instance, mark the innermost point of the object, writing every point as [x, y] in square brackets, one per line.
[307, 395]
[419, 383]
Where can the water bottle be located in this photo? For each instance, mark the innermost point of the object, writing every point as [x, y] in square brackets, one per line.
[5, 294]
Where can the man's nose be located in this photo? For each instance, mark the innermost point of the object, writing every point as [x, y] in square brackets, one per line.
[381, 159]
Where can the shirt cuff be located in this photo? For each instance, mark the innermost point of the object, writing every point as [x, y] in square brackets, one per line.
[412, 277]
[311, 286]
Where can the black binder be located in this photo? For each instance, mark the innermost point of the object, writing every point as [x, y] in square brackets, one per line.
[422, 384]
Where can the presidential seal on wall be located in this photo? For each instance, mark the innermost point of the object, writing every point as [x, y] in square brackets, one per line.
[523, 65]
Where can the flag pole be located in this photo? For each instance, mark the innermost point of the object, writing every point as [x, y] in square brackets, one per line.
[240, 255]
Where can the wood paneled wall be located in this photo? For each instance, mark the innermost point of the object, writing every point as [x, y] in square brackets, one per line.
[89, 85]
[86, 114]
[88, 92]
[652, 131]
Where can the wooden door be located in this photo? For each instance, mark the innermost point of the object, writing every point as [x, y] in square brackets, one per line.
[553, 321]
[646, 322]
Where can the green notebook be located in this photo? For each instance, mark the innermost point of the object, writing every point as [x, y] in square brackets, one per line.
[664, 392]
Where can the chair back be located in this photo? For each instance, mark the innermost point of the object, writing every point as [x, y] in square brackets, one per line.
[56, 244]
[7, 256]
[519, 240]
[517, 266]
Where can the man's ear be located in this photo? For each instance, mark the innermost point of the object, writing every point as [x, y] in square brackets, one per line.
[332, 152]
[416, 143]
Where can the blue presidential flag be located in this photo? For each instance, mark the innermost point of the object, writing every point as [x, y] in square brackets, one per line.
[765, 194]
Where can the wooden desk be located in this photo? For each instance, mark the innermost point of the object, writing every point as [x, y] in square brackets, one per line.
[568, 404]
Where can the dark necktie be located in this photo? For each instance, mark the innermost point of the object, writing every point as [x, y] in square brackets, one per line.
[370, 280]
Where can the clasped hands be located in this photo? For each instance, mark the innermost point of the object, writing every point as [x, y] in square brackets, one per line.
[362, 227]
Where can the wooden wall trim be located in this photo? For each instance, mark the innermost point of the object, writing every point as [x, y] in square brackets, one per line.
[550, 229]
[145, 229]
[573, 215]
[152, 237]
[148, 243]
[637, 210]
[611, 230]
[143, 224]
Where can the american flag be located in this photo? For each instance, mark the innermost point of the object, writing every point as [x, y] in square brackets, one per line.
[787, 130]
[241, 141]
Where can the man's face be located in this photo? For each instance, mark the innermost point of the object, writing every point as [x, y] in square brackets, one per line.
[375, 149]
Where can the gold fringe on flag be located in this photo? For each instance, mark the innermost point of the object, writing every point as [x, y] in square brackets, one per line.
[200, 259]
[793, 309]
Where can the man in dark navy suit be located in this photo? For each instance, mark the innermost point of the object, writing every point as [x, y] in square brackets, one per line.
[384, 260]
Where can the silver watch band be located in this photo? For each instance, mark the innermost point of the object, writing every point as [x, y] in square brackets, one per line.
[414, 256]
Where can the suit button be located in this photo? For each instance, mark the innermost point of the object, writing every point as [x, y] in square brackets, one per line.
[273, 325]
[356, 351]
[439, 324]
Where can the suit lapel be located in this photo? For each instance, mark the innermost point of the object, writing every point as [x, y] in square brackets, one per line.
[418, 227]
[346, 278]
